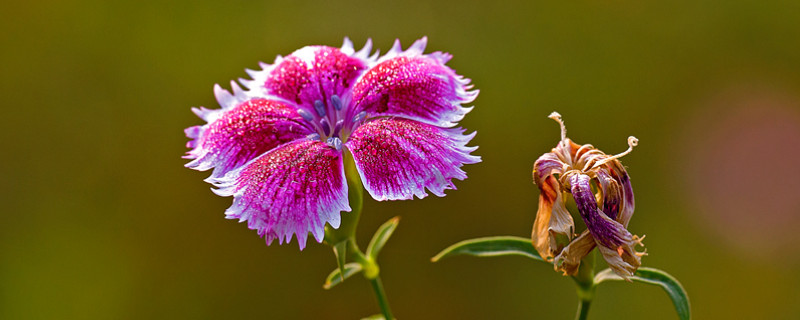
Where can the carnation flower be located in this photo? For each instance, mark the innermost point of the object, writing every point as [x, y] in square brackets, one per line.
[278, 146]
[572, 169]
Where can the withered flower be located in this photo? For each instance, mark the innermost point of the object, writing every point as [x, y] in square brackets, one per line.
[574, 169]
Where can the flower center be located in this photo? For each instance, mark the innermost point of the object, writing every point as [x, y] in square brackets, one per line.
[330, 121]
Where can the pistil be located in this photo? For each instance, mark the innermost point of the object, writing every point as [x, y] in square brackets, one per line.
[632, 142]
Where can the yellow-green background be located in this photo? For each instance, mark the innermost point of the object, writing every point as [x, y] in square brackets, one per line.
[100, 220]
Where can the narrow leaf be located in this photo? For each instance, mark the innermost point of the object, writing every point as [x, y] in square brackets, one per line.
[340, 250]
[660, 278]
[374, 317]
[381, 236]
[337, 275]
[491, 247]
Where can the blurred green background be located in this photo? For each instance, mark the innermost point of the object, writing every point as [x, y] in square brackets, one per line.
[102, 221]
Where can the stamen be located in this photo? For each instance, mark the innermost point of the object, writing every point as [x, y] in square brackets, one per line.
[557, 117]
[564, 180]
[320, 108]
[360, 116]
[592, 155]
[585, 146]
[632, 142]
[335, 143]
[313, 136]
[338, 126]
[305, 114]
[580, 156]
[565, 147]
[326, 127]
[336, 102]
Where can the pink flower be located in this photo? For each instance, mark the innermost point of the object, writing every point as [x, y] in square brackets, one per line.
[278, 146]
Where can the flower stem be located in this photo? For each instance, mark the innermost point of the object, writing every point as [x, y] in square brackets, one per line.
[583, 309]
[347, 232]
[585, 281]
[377, 286]
[372, 273]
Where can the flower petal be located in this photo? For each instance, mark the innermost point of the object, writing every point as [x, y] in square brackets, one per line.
[398, 158]
[294, 189]
[240, 132]
[553, 226]
[624, 260]
[312, 73]
[611, 192]
[412, 85]
[546, 165]
[566, 151]
[619, 174]
[570, 258]
[607, 231]
[553, 221]
[614, 241]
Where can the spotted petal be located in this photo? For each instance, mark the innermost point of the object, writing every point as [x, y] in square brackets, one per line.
[293, 189]
[312, 73]
[399, 158]
[415, 86]
[614, 241]
[240, 132]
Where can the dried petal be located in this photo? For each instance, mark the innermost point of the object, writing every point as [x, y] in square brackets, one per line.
[570, 258]
[553, 221]
[615, 242]
[618, 173]
[611, 192]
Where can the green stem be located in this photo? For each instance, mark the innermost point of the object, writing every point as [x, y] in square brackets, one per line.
[583, 309]
[347, 232]
[372, 273]
[377, 286]
[585, 281]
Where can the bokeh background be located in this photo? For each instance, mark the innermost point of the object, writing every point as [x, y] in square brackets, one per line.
[100, 219]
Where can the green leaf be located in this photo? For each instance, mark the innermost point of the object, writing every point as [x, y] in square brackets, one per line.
[340, 250]
[381, 236]
[338, 275]
[374, 317]
[491, 247]
[660, 278]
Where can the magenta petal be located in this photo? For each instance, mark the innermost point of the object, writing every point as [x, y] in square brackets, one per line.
[240, 133]
[311, 73]
[293, 189]
[416, 86]
[399, 158]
